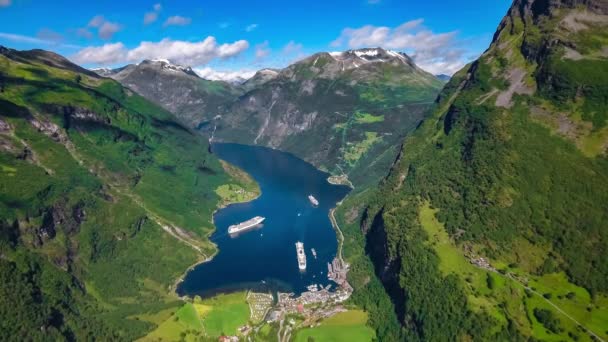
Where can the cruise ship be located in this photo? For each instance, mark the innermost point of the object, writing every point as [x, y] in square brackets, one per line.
[244, 226]
[313, 200]
[301, 256]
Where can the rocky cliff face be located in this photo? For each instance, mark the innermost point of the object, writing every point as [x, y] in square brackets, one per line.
[496, 173]
[345, 112]
[342, 111]
[178, 89]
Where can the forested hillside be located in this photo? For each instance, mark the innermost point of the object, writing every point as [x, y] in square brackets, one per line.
[105, 201]
[344, 112]
[492, 222]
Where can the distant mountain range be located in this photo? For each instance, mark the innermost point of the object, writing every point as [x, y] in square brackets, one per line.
[443, 77]
[342, 111]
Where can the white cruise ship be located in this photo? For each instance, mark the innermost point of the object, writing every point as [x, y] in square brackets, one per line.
[313, 200]
[301, 255]
[243, 226]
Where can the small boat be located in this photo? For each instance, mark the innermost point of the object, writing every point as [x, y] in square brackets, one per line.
[314, 253]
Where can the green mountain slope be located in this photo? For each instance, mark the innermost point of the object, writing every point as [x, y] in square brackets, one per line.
[344, 112]
[105, 201]
[491, 224]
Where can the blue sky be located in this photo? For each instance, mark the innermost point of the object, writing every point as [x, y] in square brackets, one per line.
[225, 38]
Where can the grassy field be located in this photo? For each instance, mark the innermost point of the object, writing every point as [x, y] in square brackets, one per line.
[367, 118]
[247, 189]
[354, 151]
[209, 318]
[185, 320]
[229, 311]
[506, 299]
[346, 326]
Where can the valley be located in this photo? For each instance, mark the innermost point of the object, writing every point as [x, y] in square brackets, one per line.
[343, 112]
[390, 203]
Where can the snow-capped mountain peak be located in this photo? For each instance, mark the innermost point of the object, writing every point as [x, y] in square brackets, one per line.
[167, 65]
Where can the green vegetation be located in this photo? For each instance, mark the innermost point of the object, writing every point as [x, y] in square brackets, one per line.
[369, 293]
[367, 118]
[246, 189]
[208, 319]
[477, 180]
[345, 326]
[548, 320]
[229, 311]
[185, 323]
[321, 113]
[97, 172]
[354, 151]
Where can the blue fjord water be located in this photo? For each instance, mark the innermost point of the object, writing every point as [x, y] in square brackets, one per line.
[265, 258]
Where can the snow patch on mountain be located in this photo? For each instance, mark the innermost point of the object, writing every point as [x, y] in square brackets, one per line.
[230, 76]
[367, 52]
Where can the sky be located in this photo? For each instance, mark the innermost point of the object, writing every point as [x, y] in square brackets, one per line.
[229, 38]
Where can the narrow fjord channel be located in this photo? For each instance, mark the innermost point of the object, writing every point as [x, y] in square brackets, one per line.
[265, 257]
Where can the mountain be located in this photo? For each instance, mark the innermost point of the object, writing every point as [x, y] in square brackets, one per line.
[260, 77]
[105, 200]
[176, 88]
[443, 77]
[491, 223]
[343, 112]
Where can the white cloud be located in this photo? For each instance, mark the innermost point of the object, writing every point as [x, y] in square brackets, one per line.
[103, 55]
[84, 32]
[49, 35]
[150, 17]
[40, 40]
[177, 20]
[182, 52]
[262, 51]
[251, 27]
[292, 48]
[225, 75]
[96, 21]
[21, 39]
[434, 52]
[5, 3]
[105, 29]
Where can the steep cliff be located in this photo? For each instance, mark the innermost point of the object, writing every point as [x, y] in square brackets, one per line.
[105, 200]
[345, 112]
[493, 216]
[193, 100]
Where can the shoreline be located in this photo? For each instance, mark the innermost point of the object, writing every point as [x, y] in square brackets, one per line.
[334, 224]
[340, 180]
[331, 179]
[221, 205]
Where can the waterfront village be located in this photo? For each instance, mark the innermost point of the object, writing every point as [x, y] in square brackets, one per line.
[289, 311]
[310, 307]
